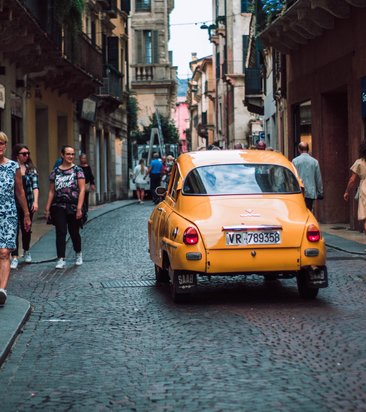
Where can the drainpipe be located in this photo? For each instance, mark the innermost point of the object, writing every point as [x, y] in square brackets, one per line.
[226, 65]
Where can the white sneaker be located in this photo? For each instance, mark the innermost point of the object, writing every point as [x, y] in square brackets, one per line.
[60, 264]
[79, 259]
[3, 296]
[27, 256]
[14, 264]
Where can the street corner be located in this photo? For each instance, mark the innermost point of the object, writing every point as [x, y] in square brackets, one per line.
[13, 315]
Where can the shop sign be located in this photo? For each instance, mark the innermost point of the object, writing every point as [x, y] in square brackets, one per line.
[2, 96]
[88, 110]
[16, 105]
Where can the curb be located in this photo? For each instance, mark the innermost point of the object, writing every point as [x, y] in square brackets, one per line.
[16, 311]
[13, 314]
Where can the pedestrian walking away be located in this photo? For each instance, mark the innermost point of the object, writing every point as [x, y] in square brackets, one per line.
[168, 170]
[358, 175]
[89, 179]
[154, 171]
[309, 172]
[21, 154]
[65, 204]
[10, 183]
[139, 176]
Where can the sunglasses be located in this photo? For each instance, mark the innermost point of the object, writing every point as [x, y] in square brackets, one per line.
[2, 143]
[24, 153]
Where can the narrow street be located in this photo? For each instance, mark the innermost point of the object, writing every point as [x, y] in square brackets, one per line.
[103, 337]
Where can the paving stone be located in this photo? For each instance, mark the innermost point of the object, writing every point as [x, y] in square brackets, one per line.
[238, 345]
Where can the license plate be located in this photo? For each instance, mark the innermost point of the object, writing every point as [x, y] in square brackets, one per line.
[270, 237]
[186, 281]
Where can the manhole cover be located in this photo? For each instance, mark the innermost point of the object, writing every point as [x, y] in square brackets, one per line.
[128, 283]
[338, 228]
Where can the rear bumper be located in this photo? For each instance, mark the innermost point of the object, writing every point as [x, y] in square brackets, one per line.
[254, 260]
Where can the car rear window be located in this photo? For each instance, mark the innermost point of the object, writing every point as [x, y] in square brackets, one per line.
[240, 179]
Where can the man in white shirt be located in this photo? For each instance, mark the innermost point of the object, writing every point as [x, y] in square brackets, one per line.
[309, 171]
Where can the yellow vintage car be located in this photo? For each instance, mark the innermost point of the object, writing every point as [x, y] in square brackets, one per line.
[234, 212]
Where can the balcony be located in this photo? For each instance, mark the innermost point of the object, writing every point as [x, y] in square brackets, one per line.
[70, 66]
[253, 81]
[109, 7]
[83, 54]
[254, 90]
[153, 73]
[112, 83]
[302, 21]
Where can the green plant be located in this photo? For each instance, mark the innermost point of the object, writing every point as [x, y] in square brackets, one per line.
[168, 128]
[132, 114]
[69, 14]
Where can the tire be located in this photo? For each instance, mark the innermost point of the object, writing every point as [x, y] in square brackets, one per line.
[304, 291]
[161, 275]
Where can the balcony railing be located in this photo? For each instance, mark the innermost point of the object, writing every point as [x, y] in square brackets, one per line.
[160, 73]
[112, 83]
[253, 81]
[82, 53]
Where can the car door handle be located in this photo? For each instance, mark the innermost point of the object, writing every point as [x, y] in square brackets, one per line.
[160, 209]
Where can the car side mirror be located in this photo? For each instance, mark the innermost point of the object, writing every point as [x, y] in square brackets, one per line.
[160, 191]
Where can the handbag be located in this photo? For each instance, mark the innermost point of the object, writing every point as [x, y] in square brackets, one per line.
[87, 187]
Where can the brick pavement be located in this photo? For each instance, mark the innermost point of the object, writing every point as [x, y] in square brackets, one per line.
[239, 344]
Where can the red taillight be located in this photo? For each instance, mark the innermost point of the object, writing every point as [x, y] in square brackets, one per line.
[190, 236]
[313, 233]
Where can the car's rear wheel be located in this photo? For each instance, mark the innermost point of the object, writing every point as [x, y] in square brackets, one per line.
[161, 275]
[303, 288]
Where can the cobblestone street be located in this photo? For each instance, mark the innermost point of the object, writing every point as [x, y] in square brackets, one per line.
[103, 337]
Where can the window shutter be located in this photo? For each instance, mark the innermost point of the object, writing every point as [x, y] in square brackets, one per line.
[139, 36]
[113, 52]
[155, 46]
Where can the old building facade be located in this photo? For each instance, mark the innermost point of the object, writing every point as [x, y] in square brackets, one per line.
[53, 85]
[321, 89]
[152, 78]
[201, 103]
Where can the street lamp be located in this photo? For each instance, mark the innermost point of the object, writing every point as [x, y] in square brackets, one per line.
[208, 28]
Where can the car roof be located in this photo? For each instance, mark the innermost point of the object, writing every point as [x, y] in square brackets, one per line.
[191, 160]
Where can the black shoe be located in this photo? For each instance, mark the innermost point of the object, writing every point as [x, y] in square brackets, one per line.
[3, 296]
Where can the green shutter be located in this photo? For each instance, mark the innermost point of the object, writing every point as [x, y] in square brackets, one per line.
[113, 52]
[139, 36]
[155, 46]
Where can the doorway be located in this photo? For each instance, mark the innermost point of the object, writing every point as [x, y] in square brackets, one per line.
[333, 151]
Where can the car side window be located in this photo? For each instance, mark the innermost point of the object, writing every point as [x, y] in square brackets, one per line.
[173, 193]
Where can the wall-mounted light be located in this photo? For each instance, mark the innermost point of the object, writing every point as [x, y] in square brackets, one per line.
[208, 28]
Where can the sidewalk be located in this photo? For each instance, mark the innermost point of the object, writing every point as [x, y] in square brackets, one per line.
[16, 311]
[43, 249]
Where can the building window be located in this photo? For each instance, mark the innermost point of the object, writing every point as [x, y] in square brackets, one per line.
[143, 5]
[302, 124]
[147, 47]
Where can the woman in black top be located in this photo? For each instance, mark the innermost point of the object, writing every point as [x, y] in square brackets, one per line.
[89, 179]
